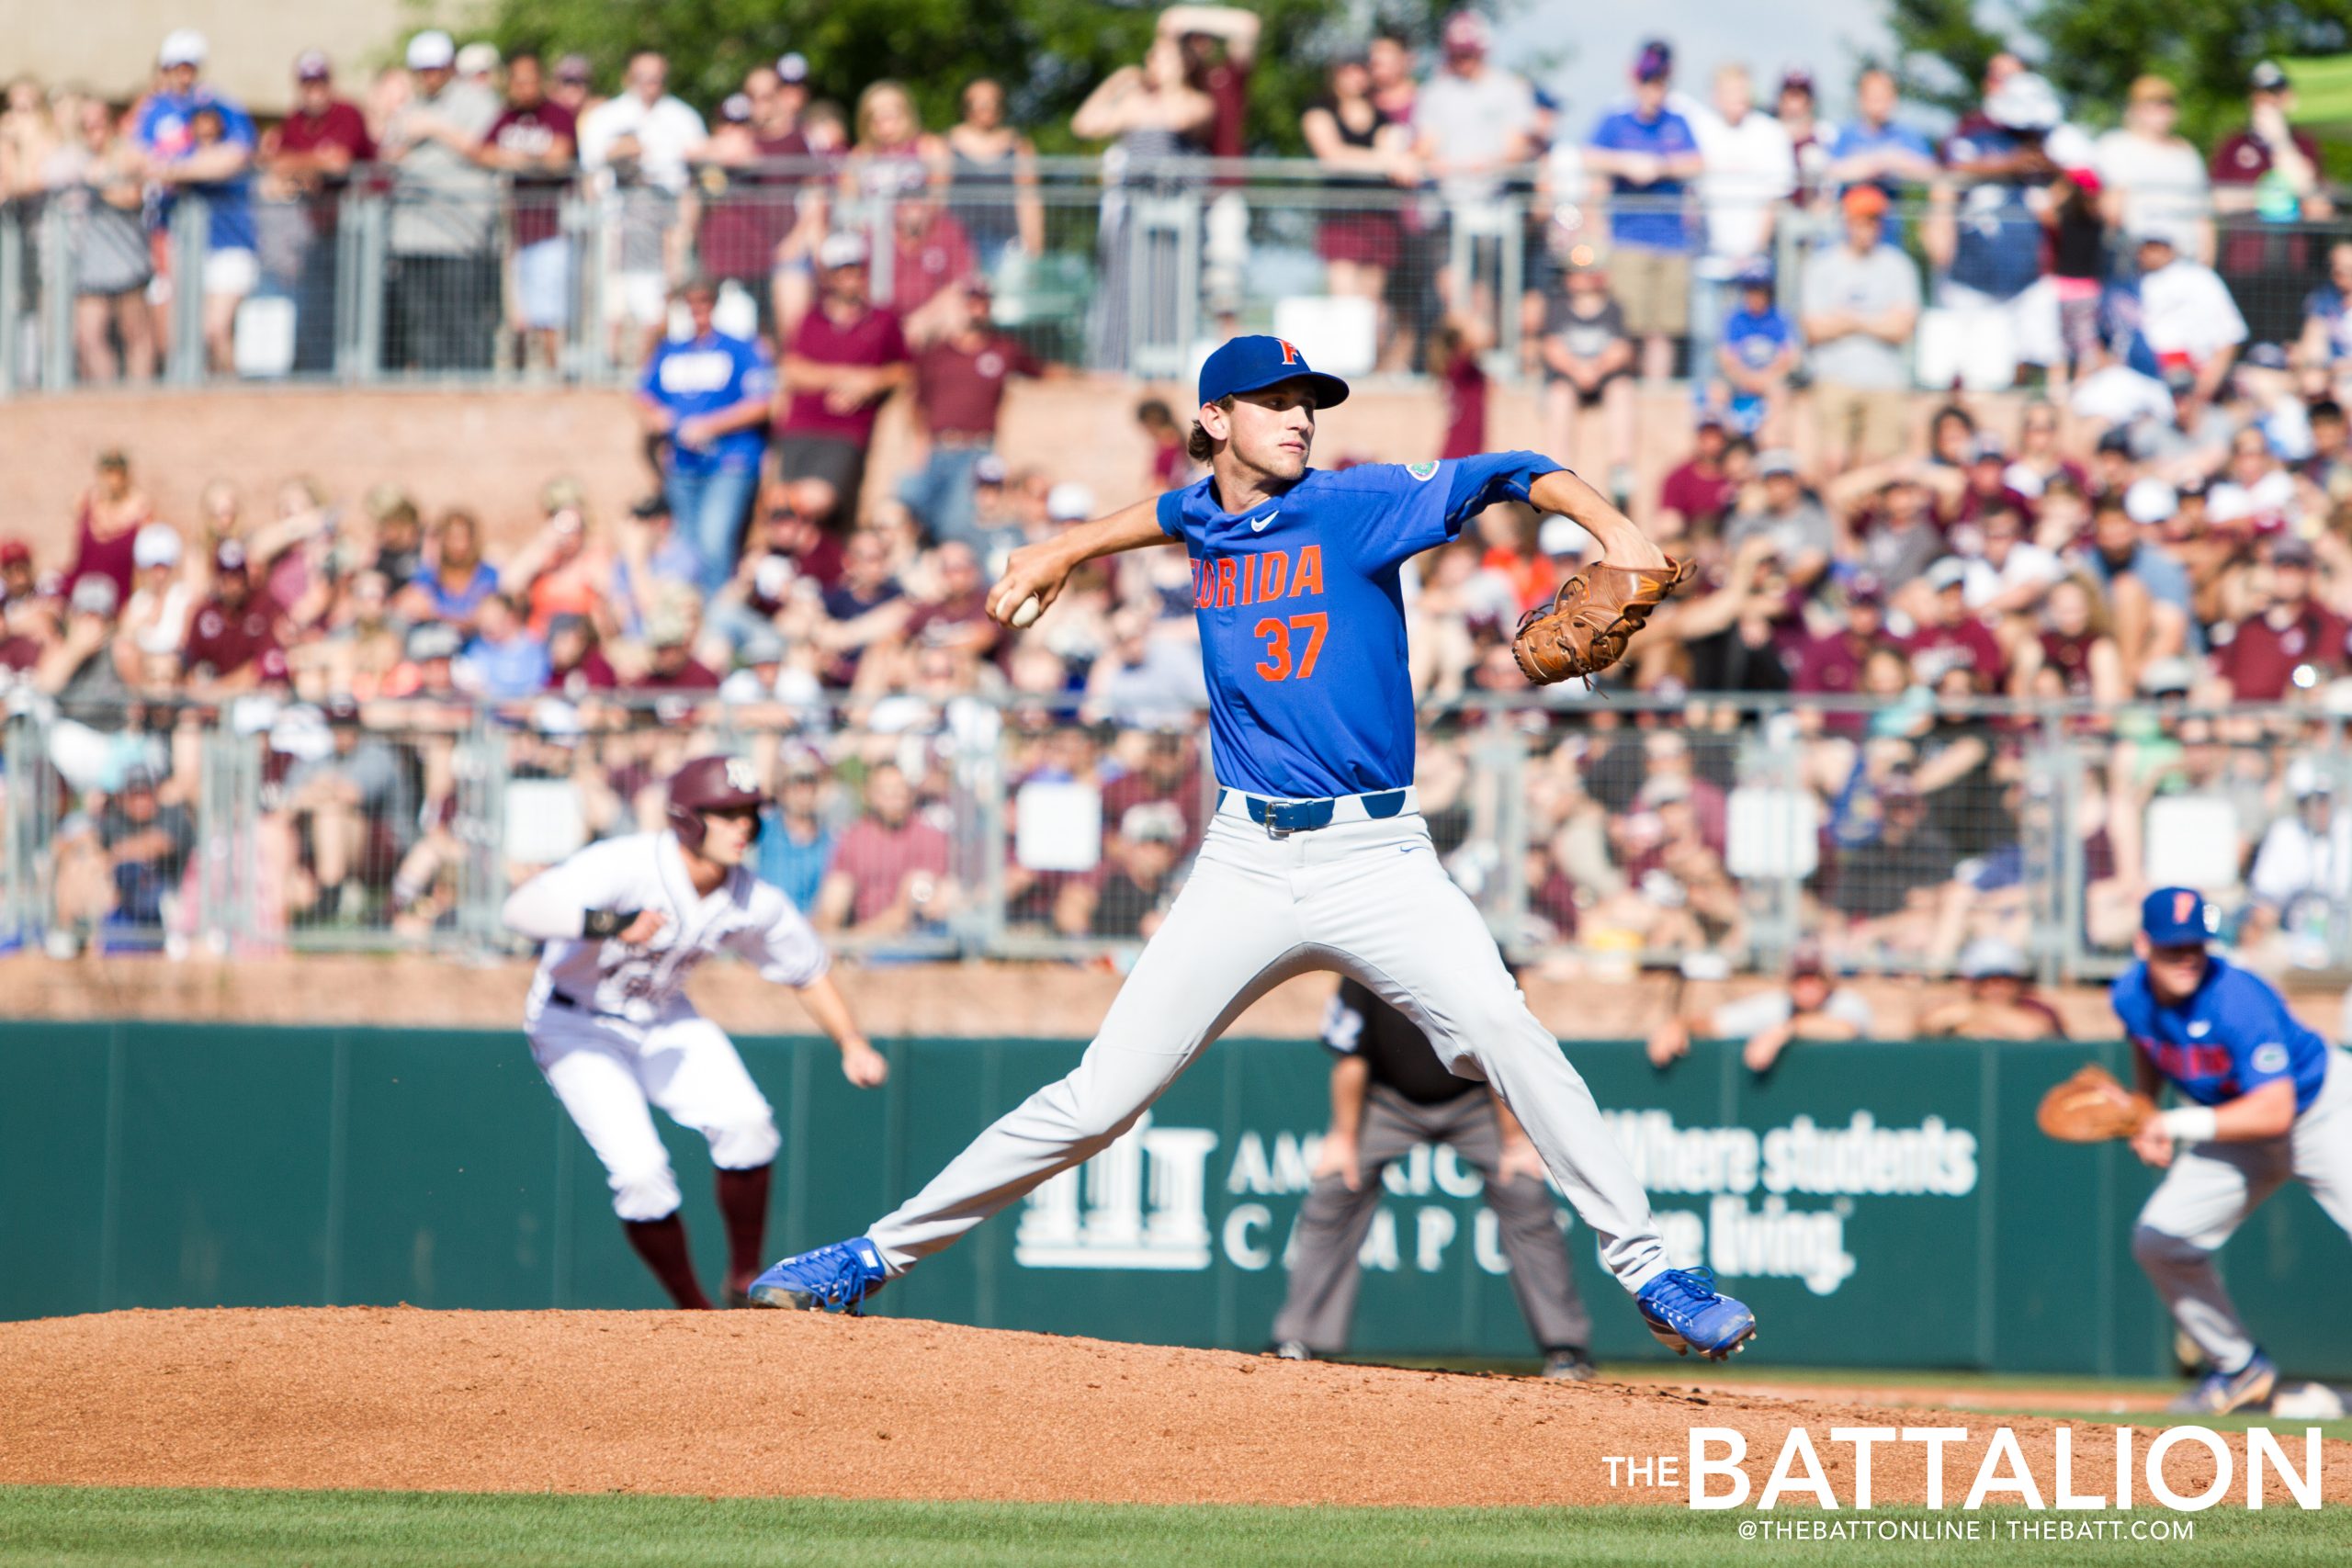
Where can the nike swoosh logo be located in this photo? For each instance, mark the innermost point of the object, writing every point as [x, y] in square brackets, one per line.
[2197, 1031]
[1257, 524]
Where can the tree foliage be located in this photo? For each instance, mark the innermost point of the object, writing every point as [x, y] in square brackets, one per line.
[2091, 50]
[1048, 53]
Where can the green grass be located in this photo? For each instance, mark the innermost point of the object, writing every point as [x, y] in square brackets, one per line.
[73, 1528]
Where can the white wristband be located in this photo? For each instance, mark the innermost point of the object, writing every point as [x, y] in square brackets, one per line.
[2190, 1123]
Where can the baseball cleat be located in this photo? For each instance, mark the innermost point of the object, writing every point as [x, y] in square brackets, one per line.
[1292, 1350]
[829, 1279]
[2217, 1393]
[1686, 1313]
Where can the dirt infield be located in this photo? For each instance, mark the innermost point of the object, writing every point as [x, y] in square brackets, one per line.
[752, 1404]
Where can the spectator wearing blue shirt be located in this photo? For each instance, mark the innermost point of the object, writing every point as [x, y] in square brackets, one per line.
[2323, 352]
[1986, 238]
[1874, 149]
[1758, 354]
[165, 132]
[232, 264]
[2264, 1099]
[795, 842]
[1646, 151]
[505, 663]
[709, 396]
[453, 587]
[199, 143]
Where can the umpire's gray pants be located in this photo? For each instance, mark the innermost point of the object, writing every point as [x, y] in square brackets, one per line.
[1333, 1220]
[2210, 1190]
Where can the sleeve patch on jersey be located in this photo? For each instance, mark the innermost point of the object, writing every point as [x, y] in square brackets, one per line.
[2271, 1058]
[1422, 471]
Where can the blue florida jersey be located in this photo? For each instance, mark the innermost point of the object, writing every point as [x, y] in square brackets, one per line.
[2229, 1038]
[1302, 621]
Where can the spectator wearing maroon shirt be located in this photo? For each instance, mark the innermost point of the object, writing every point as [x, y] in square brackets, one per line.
[1169, 772]
[743, 195]
[2292, 644]
[1219, 45]
[1986, 487]
[18, 582]
[308, 157]
[1949, 637]
[577, 666]
[232, 637]
[1453, 356]
[889, 872]
[960, 379]
[2267, 184]
[1831, 664]
[670, 665]
[1697, 493]
[957, 617]
[534, 140]
[842, 364]
[1169, 463]
[929, 253]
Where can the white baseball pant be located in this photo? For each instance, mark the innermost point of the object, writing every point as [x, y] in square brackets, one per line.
[609, 1073]
[1367, 898]
[2212, 1188]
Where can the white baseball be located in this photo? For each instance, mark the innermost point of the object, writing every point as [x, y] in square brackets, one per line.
[1028, 612]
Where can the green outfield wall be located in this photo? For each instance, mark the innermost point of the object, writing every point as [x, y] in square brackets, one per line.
[1878, 1204]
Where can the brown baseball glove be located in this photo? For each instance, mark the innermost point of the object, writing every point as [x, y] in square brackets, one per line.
[2091, 1107]
[1593, 616]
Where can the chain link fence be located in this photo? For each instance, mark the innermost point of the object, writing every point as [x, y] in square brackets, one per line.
[1120, 264]
[1712, 835]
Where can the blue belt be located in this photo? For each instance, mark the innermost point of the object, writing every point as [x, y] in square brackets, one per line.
[1284, 817]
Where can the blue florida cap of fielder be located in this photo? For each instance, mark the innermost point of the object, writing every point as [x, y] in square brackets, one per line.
[2177, 917]
[1254, 364]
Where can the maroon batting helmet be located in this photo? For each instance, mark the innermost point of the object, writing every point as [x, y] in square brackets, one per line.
[710, 783]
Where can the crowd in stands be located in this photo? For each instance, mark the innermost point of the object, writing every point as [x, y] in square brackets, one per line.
[2137, 519]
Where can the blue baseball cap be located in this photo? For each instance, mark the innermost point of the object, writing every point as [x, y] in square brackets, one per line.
[2177, 917]
[1254, 364]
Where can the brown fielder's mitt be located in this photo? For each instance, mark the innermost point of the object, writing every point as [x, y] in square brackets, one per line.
[1593, 616]
[2091, 1107]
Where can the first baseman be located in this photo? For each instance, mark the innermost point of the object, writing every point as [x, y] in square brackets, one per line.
[1317, 856]
[2268, 1100]
[625, 922]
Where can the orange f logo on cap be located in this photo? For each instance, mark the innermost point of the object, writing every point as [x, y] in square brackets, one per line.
[2184, 905]
[1290, 351]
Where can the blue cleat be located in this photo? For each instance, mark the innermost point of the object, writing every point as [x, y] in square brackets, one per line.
[831, 1279]
[2218, 1393]
[1686, 1313]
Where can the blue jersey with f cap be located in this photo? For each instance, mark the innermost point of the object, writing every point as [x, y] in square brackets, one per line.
[1301, 616]
[2228, 1038]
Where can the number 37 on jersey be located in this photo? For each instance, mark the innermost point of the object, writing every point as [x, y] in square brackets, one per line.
[1271, 583]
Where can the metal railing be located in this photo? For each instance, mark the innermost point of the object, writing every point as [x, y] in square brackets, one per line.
[1711, 834]
[1109, 264]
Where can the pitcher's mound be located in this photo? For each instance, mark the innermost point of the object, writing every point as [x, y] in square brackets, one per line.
[753, 1403]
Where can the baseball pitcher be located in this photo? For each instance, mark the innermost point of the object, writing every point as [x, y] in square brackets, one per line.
[1317, 856]
[2267, 1100]
[625, 922]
